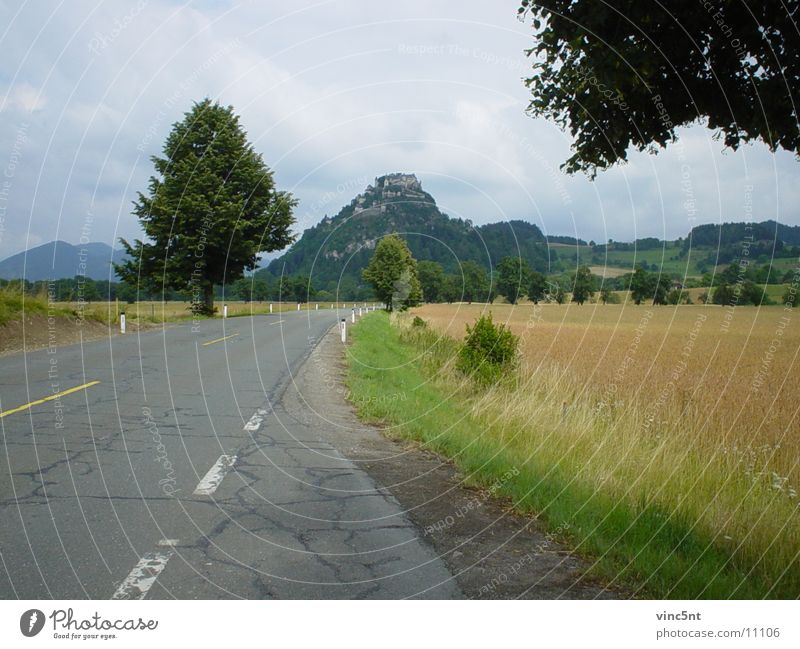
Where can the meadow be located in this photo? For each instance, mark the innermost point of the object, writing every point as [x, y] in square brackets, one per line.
[667, 438]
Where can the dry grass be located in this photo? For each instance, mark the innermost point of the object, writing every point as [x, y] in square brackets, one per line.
[693, 409]
[609, 271]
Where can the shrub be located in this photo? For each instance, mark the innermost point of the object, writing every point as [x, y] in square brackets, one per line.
[489, 352]
[678, 296]
[418, 322]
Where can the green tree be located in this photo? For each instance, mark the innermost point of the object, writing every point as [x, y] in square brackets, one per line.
[642, 285]
[582, 285]
[431, 279]
[625, 74]
[302, 289]
[752, 293]
[606, 296]
[537, 287]
[661, 284]
[476, 283]
[209, 212]
[512, 278]
[559, 296]
[126, 292]
[452, 288]
[241, 289]
[259, 289]
[392, 272]
[285, 289]
[723, 294]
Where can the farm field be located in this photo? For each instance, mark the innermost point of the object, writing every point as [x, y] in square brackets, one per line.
[699, 362]
[689, 411]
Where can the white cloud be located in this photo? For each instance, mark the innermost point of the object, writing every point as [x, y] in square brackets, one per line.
[22, 97]
[332, 94]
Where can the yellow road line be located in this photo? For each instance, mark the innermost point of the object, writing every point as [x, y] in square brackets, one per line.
[57, 395]
[219, 340]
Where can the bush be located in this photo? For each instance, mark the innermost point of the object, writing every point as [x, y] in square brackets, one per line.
[418, 322]
[489, 352]
[678, 296]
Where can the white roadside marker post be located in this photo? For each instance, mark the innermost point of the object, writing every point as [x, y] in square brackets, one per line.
[353, 315]
[344, 329]
[316, 307]
[122, 322]
[298, 306]
[270, 308]
[224, 310]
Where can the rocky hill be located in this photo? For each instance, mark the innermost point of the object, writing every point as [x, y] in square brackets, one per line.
[334, 251]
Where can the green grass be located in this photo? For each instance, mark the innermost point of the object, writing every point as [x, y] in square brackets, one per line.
[13, 305]
[635, 542]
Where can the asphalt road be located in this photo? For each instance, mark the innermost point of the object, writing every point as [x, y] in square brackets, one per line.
[178, 469]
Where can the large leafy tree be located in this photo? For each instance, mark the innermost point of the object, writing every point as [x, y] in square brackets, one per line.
[582, 285]
[649, 286]
[392, 272]
[621, 73]
[209, 211]
[537, 287]
[512, 278]
[431, 278]
[476, 283]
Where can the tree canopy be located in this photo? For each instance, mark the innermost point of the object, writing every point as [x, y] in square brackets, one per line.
[582, 285]
[620, 73]
[512, 278]
[431, 278]
[209, 212]
[392, 271]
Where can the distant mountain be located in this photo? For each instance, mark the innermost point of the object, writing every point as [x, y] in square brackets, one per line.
[59, 259]
[334, 251]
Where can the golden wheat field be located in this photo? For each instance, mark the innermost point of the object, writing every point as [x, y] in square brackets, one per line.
[728, 378]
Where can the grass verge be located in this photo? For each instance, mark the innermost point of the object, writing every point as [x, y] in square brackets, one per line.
[13, 305]
[658, 528]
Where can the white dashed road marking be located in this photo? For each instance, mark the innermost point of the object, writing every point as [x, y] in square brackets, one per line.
[208, 485]
[144, 573]
[254, 423]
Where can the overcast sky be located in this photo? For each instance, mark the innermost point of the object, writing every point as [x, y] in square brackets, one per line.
[332, 94]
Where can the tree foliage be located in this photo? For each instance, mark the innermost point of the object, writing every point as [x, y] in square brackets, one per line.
[641, 285]
[537, 287]
[582, 285]
[512, 278]
[431, 279]
[209, 211]
[392, 272]
[476, 283]
[621, 73]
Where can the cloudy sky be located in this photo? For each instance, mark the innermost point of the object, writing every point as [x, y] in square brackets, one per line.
[333, 94]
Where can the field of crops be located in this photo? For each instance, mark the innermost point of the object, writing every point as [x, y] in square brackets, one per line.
[690, 409]
[729, 372]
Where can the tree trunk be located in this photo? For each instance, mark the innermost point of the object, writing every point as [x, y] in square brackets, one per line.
[208, 299]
